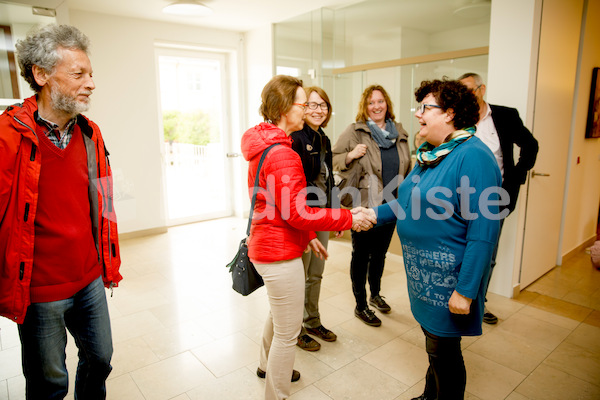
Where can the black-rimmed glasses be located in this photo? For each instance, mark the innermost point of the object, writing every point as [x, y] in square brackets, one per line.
[424, 106]
[313, 106]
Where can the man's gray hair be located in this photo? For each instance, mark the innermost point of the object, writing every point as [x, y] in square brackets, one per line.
[41, 48]
[476, 77]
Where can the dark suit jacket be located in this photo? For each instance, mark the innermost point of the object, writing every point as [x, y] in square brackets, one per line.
[511, 131]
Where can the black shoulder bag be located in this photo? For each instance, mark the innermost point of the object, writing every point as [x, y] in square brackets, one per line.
[245, 277]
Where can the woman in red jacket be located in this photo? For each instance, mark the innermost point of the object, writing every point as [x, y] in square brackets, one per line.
[283, 226]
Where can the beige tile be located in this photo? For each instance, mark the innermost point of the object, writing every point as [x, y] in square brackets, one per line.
[515, 352]
[171, 377]
[547, 383]
[226, 321]
[166, 342]
[547, 316]
[561, 307]
[360, 381]
[134, 325]
[576, 361]
[587, 337]
[401, 360]
[9, 335]
[10, 363]
[516, 396]
[311, 368]
[3, 390]
[227, 354]
[346, 349]
[543, 333]
[489, 380]
[388, 330]
[16, 388]
[131, 355]
[337, 282]
[593, 318]
[123, 387]
[413, 391]
[239, 384]
[526, 297]
[502, 307]
[309, 393]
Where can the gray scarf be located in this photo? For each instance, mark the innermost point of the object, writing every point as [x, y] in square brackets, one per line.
[385, 138]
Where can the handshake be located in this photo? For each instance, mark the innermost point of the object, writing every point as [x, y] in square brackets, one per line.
[363, 219]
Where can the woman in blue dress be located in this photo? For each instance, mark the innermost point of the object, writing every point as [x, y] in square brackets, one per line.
[447, 219]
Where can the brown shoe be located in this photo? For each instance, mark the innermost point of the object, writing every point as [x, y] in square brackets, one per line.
[307, 343]
[295, 374]
[323, 333]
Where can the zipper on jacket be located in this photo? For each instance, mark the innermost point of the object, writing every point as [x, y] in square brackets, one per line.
[32, 156]
[26, 216]
[21, 270]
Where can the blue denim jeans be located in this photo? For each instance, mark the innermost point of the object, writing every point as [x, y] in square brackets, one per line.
[44, 339]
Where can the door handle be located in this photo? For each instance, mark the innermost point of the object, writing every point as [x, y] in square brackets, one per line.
[233, 155]
[534, 174]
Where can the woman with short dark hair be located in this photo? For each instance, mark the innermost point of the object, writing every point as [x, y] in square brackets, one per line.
[447, 219]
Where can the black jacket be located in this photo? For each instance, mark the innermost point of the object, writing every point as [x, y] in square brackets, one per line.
[511, 131]
[308, 143]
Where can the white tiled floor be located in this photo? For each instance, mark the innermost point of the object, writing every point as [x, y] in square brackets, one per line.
[181, 332]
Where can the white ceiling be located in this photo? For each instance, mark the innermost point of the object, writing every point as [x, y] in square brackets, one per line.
[236, 15]
[244, 15]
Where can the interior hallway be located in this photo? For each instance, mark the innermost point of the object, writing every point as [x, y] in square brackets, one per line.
[180, 331]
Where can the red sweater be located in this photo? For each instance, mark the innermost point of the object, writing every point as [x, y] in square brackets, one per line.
[65, 257]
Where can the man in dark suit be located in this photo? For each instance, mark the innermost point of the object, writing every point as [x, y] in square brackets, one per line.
[501, 128]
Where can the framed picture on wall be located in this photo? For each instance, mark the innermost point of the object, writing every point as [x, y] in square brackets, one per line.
[593, 121]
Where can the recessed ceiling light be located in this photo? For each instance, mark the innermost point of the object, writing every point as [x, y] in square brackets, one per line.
[188, 8]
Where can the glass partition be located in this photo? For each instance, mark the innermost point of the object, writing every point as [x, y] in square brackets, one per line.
[315, 46]
[400, 83]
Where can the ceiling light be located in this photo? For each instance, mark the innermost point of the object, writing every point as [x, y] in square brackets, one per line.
[188, 8]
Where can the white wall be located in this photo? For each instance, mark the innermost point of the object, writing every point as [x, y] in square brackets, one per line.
[584, 179]
[508, 85]
[125, 105]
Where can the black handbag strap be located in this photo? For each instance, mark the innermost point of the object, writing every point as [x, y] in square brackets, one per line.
[255, 189]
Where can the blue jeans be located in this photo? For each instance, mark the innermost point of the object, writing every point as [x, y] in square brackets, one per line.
[44, 339]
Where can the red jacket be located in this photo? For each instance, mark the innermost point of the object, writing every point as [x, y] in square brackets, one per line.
[20, 163]
[282, 224]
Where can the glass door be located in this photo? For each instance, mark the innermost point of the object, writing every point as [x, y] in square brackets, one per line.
[193, 97]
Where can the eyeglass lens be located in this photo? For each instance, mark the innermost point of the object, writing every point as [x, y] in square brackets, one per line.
[313, 106]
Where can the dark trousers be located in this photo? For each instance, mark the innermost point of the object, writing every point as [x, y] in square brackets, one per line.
[494, 254]
[446, 376]
[368, 259]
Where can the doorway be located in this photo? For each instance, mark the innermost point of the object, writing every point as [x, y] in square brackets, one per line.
[194, 97]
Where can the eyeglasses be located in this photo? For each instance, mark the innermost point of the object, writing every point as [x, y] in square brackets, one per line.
[477, 88]
[303, 105]
[424, 106]
[313, 106]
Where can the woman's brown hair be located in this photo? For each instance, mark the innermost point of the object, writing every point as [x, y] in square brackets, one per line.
[363, 114]
[278, 97]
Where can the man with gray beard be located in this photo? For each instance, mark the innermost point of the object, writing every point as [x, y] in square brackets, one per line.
[58, 231]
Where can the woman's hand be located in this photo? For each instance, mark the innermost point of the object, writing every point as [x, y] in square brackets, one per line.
[459, 304]
[363, 219]
[356, 153]
[317, 247]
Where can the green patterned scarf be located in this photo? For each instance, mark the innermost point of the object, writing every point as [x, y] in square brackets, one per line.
[429, 156]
